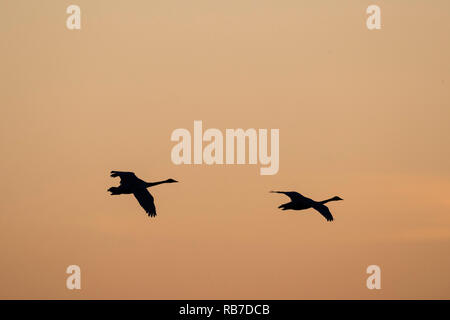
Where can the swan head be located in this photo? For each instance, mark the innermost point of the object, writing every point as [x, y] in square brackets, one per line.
[171, 180]
[336, 198]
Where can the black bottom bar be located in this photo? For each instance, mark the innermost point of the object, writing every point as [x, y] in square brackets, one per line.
[228, 309]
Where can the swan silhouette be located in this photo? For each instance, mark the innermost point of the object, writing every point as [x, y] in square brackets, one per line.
[130, 184]
[299, 202]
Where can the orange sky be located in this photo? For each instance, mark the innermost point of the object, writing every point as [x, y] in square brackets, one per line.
[362, 114]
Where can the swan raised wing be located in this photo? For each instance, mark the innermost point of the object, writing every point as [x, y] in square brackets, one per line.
[125, 177]
[295, 196]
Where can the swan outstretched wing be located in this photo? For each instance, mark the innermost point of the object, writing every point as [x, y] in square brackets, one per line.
[124, 176]
[324, 211]
[146, 201]
[295, 196]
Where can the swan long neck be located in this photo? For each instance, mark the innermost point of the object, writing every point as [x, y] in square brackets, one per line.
[152, 184]
[328, 200]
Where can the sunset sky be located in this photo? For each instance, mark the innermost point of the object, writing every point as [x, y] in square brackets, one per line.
[364, 115]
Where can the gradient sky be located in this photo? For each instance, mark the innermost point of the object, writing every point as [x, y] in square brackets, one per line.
[362, 114]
